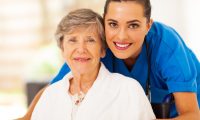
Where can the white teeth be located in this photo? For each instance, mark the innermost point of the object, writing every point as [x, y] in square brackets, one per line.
[122, 45]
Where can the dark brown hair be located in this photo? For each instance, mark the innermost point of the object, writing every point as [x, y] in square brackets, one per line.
[145, 3]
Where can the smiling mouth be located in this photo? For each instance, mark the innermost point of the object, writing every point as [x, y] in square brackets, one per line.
[79, 59]
[122, 46]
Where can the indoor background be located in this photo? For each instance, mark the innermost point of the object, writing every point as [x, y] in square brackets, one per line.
[28, 51]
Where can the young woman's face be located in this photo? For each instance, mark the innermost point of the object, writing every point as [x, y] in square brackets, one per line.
[125, 28]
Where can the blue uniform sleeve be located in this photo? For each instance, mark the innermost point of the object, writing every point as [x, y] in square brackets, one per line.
[108, 60]
[63, 71]
[176, 64]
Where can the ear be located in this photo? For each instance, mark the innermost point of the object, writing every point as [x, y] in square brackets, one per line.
[62, 50]
[149, 24]
[62, 53]
[103, 52]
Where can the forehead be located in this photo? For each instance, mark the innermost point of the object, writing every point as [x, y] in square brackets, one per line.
[125, 9]
[84, 30]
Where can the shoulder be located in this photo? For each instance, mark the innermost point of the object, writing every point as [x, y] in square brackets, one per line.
[163, 35]
[59, 86]
[161, 29]
[53, 97]
[116, 79]
[124, 82]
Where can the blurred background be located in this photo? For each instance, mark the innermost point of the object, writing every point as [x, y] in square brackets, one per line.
[30, 58]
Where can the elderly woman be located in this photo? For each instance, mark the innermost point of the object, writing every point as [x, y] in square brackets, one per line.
[89, 91]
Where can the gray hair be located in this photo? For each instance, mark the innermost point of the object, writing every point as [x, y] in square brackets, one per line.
[80, 18]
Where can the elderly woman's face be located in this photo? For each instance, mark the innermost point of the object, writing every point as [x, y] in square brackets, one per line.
[82, 50]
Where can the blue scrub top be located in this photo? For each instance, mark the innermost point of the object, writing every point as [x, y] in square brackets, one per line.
[173, 66]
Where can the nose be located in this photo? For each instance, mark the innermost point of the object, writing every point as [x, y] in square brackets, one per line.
[122, 34]
[81, 48]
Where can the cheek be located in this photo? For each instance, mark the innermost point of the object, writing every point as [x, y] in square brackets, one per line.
[66, 53]
[138, 36]
[96, 51]
[109, 33]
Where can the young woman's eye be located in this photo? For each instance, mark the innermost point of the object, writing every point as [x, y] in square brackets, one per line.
[112, 24]
[133, 26]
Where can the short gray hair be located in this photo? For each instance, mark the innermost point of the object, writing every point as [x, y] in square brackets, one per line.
[80, 18]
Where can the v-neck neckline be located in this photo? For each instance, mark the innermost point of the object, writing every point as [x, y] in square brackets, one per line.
[139, 69]
[92, 91]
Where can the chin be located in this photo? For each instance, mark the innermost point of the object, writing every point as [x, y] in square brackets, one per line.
[121, 56]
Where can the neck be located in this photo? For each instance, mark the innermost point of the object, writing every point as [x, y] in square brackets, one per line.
[82, 82]
[129, 62]
[80, 85]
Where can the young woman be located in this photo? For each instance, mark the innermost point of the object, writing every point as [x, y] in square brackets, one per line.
[152, 53]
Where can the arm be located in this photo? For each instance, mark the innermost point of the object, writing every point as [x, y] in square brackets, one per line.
[177, 69]
[27, 116]
[187, 106]
[63, 71]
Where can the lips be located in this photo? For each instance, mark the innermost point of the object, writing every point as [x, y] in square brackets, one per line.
[122, 46]
[81, 59]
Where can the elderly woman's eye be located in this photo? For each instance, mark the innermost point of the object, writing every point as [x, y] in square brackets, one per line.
[72, 40]
[90, 40]
[112, 24]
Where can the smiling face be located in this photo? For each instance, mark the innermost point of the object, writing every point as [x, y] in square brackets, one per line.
[125, 28]
[82, 50]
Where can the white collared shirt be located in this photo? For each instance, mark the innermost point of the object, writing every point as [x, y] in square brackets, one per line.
[111, 97]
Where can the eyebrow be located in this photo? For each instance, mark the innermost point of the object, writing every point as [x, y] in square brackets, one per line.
[112, 20]
[131, 21]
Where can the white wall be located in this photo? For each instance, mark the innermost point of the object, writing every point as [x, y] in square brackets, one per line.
[184, 16]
